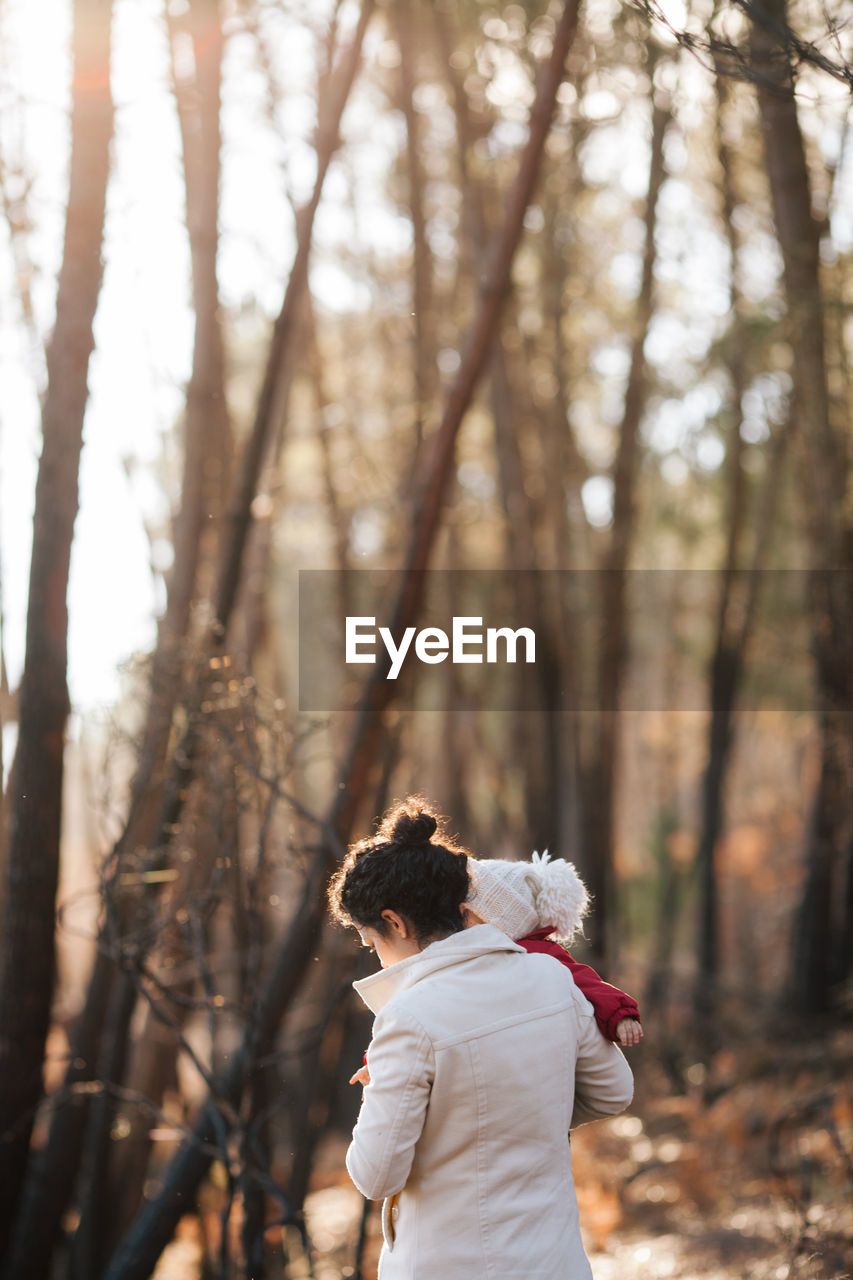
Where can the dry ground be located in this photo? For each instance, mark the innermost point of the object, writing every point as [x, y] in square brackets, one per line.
[746, 1175]
[744, 1172]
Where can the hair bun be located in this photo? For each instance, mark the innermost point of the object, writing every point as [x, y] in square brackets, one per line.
[414, 828]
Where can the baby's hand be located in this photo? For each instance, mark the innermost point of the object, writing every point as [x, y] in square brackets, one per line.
[629, 1031]
[362, 1077]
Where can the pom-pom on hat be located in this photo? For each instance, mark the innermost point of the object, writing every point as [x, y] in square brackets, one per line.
[519, 897]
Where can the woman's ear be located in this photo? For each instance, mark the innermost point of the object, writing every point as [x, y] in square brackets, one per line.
[398, 924]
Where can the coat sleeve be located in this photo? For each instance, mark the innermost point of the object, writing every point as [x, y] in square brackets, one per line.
[393, 1109]
[609, 1003]
[604, 1085]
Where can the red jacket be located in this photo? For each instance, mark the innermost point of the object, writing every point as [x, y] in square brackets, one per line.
[609, 1003]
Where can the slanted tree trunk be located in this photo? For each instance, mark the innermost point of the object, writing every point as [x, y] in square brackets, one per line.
[819, 950]
[495, 283]
[35, 795]
[158, 793]
[331, 109]
[600, 770]
[136, 1255]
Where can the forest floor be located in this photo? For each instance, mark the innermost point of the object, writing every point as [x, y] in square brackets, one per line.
[739, 1171]
[743, 1170]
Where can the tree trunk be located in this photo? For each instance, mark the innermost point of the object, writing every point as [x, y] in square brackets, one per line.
[35, 797]
[405, 17]
[727, 658]
[155, 809]
[598, 818]
[826, 474]
[5, 707]
[328, 137]
[565, 473]
[821, 921]
[206, 455]
[155, 1225]
[339, 519]
[430, 499]
[537, 726]
[17, 216]
[799, 239]
[207, 429]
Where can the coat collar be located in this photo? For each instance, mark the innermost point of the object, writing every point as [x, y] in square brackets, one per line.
[539, 935]
[482, 939]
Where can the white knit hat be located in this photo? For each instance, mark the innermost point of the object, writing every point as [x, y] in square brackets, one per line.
[519, 897]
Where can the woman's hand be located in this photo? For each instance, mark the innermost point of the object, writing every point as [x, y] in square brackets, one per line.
[362, 1077]
[629, 1031]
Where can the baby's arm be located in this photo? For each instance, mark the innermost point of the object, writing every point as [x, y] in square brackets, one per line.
[616, 1013]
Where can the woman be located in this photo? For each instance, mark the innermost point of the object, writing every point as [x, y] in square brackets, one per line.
[482, 1058]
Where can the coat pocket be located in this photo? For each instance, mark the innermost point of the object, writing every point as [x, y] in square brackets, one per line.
[390, 1211]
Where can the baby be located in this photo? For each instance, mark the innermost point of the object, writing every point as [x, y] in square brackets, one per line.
[531, 902]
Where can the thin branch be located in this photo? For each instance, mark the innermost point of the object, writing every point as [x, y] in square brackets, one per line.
[720, 56]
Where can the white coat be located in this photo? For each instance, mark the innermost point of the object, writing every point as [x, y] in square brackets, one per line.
[482, 1058]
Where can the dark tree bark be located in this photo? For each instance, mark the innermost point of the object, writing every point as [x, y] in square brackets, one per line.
[728, 653]
[538, 730]
[496, 282]
[155, 1225]
[820, 948]
[737, 605]
[5, 717]
[158, 793]
[799, 233]
[600, 769]
[821, 930]
[206, 440]
[533, 727]
[35, 797]
[206, 456]
[207, 428]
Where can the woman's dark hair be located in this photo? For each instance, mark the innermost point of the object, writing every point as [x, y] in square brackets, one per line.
[401, 868]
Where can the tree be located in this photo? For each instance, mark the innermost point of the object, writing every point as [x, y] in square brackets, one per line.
[820, 958]
[165, 771]
[600, 768]
[36, 790]
[207, 451]
[156, 1223]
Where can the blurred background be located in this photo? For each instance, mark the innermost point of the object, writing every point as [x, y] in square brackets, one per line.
[407, 285]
